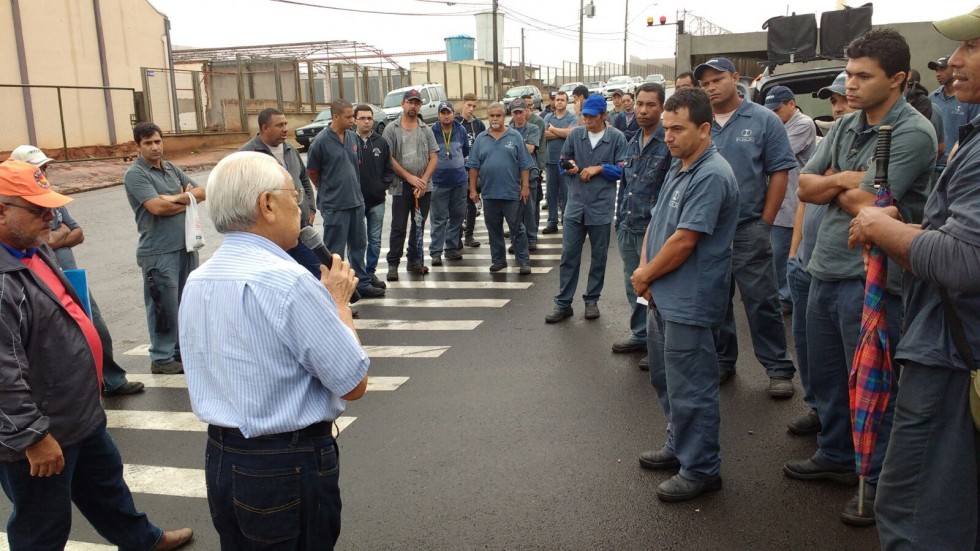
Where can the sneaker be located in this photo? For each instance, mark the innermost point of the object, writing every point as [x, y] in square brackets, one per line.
[549, 230]
[781, 388]
[454, 255]
[497, 267]
[392, 272]
[559, 314]
[592, 311]
[129, 387]
[806, 425]
[417, 267]
[169, 367]
[525, 270]
[375, 282]
[437, 261]
[370, 291]
[628, 345]
[470, 242]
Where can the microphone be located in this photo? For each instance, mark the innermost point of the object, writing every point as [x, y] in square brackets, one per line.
[309, 237]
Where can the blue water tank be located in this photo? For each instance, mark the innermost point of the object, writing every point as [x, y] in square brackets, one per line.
[459, 48]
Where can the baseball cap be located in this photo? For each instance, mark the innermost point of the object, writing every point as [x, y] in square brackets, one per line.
[940, 63]
[518, 105]
[961, 27]
[24, 180]
[594, 105]
[615, 92]
[777, 96]
[445, 106]
[552, 94]
[30, 154]
[836, 87]
[412, 94]
[581, 90]
[716, 63]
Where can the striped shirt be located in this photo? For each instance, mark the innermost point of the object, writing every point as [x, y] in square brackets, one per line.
[263, 347]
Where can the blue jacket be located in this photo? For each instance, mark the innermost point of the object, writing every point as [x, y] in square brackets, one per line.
[450, 171]
[628, 129]
[593, 203]
[643, 177]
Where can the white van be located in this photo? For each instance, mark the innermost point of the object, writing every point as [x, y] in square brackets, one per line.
[432, 93]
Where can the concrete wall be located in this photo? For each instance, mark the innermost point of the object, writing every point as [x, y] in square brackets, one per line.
[61, 48]
[458, 78]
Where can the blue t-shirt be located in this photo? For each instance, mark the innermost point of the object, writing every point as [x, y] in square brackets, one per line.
[451, 172]
[704, 198]
[755, 145]
[338, 176]
[593, 203]
[500, 163]
[554, 146]
[955, 114]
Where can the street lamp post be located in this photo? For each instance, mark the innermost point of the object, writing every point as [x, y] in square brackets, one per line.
[626, 25]
[581, 25]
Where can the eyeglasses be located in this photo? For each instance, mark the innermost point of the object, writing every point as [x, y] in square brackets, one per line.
[298, 198]
[365, 118]
[40, 212]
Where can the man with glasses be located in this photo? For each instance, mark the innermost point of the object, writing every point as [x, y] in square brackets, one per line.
[158, 193]
[376, 177]
[65, 234]
[333, 164]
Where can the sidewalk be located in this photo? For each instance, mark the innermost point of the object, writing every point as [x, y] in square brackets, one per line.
[82, 176]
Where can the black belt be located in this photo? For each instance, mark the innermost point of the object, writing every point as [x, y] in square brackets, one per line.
[316, 430]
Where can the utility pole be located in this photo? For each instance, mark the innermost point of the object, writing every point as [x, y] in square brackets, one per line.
[523, 77]
[626, 23]
[496, 60]
[581, 24]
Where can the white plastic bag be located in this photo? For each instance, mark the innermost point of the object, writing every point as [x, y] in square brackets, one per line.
[193, 234]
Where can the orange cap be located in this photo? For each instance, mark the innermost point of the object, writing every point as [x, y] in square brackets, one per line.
[24, 180]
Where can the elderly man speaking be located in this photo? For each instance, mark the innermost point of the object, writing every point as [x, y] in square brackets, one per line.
[271, 355]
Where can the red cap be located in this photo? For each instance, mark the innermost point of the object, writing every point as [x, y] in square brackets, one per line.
[24, 180]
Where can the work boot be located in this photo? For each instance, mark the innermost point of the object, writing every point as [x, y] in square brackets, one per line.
[417, 267]
[678, 488]
[817, 469]
[850, 514]
[392, 272]
[170, 367]
[658, 460]
[806, 425]
[781, 388]
[470, 242]
[592, 311]
[559, 314]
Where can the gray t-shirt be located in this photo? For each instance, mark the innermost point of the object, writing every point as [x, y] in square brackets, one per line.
[555, 145]
[802, 136]
[158, 234]
[411, 148]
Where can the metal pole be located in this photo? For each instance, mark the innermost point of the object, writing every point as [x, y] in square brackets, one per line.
[107, 95]
[242, 113]
[24, 78]
[61, 116]
[173, 77]
[496, 60]
[581, 24]
[523, 75]
[277, 79]
[198, 108]
[626, 22]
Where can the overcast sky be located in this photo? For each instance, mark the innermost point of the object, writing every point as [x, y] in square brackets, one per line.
[551, 26]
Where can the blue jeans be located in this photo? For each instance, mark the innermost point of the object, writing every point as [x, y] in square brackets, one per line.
[375, 220]
[833, 329]
[781, 238]
[556, 194]
[752, 271]
[169, 272]
[306, 258]
[446, 210]
[927, 494]
[532, 214]
[495, 211]
[346, 231]
[630, 245]
[573, 240]
[273, 492]
[799, 289]
[684, 372]
[93, 481]
[113, 375]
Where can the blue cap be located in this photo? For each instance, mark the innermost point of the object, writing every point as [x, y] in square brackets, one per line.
[594, 105]
[777, 96]
[837, 87]
[717, 63]
[445, 106]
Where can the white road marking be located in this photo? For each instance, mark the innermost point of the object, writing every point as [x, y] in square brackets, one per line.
[436, 303]
[450, 268]
[178, 381]
[417, 325]
[429, 284]
[70, 546]
[165, 481]
[405, 351]
[185, 421]
[467, 255]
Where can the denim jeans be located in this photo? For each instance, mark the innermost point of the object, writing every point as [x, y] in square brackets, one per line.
[684, 372]
[557, 194]
[531, 214]
[833, 328]
[273, 492]
[93, 481]
[169, 272]
[306, 258]
[495, 211]
[781, 238]
[469, 220]
[753, 273]
[113, 375]
[346, 231]
[927, 494]
[630, 245]
[402, 209]
[375, 220]
[799, 289]
[573, 240]
[446, 212]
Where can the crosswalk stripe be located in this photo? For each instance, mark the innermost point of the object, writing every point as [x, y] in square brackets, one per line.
[179, 381]
[165, 481]
[417, 325]
[429, 284]
[405, 351]
[436, 303]
[468, 255]
[483, 269]
[70, 546]
[186, 421]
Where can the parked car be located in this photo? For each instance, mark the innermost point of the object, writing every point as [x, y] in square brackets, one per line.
[519, 91]
[596, 87]
[569, 88]
[622, 83]
[432, 93]
[657, 77]
[306, 134]
[805, 84]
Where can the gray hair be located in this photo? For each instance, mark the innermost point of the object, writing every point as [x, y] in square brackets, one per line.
[235, 184]
[496, 105]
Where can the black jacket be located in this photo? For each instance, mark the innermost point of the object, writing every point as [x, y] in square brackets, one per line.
[296, 169]
[377, 174]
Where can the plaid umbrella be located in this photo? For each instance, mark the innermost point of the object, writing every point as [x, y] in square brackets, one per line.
[871, 373]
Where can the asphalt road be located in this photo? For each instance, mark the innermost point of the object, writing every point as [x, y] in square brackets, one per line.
[507, 433]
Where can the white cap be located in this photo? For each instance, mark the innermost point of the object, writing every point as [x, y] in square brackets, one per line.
[30, 154]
